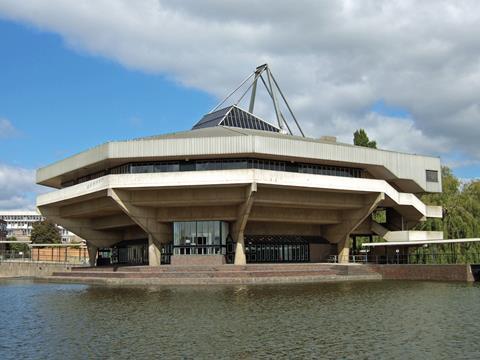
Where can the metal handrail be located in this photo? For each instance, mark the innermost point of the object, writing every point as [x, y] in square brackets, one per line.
[429, 258]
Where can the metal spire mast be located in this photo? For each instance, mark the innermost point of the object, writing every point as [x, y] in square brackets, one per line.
[274, 92]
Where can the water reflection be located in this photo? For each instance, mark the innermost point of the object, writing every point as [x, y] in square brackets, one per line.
[342, 320]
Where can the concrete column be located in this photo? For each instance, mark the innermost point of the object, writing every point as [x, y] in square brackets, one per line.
[240, 258]
[239, 225]
[92, 254]
[343, 251]
[154, 256]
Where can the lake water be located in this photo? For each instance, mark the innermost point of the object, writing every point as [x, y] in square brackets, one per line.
[360, 320]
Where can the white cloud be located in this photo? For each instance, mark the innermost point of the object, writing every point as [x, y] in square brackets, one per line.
[7, 130]
[17, 188]
[334, 58]
[392, 133]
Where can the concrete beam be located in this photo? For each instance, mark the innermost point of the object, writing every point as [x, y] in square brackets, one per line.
[295, 215]
[283, 228]
[112, 221]
[89, 208]
[191, 196]
[169, 214]
[268, 196]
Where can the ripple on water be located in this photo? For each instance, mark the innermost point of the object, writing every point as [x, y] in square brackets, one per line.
[391, 320]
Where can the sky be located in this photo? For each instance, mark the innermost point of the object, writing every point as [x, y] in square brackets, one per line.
[77, 74]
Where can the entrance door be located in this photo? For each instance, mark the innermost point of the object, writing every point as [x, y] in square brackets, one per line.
[201, 242]
[276, 248]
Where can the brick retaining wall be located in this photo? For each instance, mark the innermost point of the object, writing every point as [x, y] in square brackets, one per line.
[425, 272]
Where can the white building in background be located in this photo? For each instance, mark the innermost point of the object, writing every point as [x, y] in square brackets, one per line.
[20, 223]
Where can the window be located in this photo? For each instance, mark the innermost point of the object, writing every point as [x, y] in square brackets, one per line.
[432, 176]
[224, 164]
[199, 237]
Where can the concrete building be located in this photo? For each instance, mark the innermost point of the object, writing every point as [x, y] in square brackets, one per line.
[3, 235]
[19, 225]
[3, 230]
[236, 189]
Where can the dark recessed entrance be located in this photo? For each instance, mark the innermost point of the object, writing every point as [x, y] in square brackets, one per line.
[129, 252]
[278, 248]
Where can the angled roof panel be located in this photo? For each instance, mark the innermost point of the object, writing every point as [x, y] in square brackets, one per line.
[235, 117]
[212, 119]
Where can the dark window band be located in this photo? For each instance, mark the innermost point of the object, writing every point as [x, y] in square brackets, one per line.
[223, 164]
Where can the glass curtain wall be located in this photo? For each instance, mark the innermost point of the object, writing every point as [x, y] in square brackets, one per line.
[199, 237]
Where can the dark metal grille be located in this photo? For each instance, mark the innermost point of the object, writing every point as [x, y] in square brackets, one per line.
[278, 248]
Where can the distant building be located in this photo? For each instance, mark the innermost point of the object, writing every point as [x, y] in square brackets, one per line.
[19, 224]
[3, 230]
[3, 234]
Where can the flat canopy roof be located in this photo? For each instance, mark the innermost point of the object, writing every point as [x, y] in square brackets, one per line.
[419, 243]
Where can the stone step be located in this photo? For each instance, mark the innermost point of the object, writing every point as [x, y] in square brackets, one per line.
[208, 280]
[249, 267]
[202, 274]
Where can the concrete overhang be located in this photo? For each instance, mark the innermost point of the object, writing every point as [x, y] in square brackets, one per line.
[406, 171]
[224, 178]
[422, 242]
[411, 235]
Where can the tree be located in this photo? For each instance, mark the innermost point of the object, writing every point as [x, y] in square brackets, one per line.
[45, 232]
[360, 138]
[461, 216]
[461, 208]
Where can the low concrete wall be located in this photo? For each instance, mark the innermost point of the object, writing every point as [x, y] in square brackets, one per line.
[17, 269]
[425, 272]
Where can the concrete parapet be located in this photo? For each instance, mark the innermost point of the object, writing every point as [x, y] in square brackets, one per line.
[9, 269]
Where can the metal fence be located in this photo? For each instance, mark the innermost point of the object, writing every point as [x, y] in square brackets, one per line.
[430, 258]
[65, 255]
[10, 255]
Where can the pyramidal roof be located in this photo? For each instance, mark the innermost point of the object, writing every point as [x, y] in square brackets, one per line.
[233, 116]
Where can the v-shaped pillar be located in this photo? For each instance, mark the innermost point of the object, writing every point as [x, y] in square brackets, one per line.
[340, 234]
[241, 222]
[146, 217]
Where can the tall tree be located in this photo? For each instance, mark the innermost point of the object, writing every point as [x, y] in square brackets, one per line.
[461, 208]
[360, 138]
[45, 232]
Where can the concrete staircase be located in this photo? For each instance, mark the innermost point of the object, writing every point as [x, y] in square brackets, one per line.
[221, 274]
[405, 236]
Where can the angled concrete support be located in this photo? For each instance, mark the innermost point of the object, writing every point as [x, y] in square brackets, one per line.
[83, 228]
[154, 256]
[145, 217]
[92, 254]
[340, 233]
[241, 222]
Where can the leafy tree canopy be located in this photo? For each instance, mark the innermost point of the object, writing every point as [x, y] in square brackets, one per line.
[45, 232]
[461, 208]
[360, 138]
